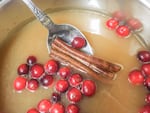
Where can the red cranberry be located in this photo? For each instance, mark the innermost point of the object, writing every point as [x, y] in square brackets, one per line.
[136, 77]
[44, 105]
[32, 85]
[119, 15]
[19, 83]
[144, 56]
[78, 42]
[62, 86]
[145, 109]
[31, 60]
[147, 98]
[74, 95]
[57, 108]
[33, 110]
[72, 108]
[146, 69]
[134, 24]
[55, 97]
[51, 67]
[123, 31]
[37, 71]
[75, 80]
[112, 23]
[46, 80]
[88, 88]
[23, 69]
[64, 72]
[147, 83]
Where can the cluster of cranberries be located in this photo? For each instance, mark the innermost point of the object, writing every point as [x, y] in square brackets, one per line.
[31, 75]
[122, 24]
[142, 77]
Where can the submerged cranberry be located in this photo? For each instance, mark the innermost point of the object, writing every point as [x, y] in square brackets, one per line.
[64, 72]
[88, 88]
[31, 60]
[147, 83]
[55, 97]
[136, 77]
[72, 108]
[144, 56]
[75, 80]
[36, 71]
[32, 85]
[119, 15]
[146, 69]
[44, 105]
[57, 108]
[51, 67]
[123, 31]
[23, 69]
[78, 42]
[147, 98]
[20, 83]
[112, 23]
[62, 86]
[46, 80]
[74, 95]
[33, 110]
[145, 109]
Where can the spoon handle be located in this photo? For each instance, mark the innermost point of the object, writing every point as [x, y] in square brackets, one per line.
[40, 15]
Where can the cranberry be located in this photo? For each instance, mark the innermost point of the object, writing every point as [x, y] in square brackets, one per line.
[23, 69]
[145, 109]
[75, 80]
[57, 108]
[123, 31]
[36, 71]
[72, 108]
[147, 98]
[112, 23]
[88, 88]
[134, 24]
[55, 97]
[64, 72]
[144, 56]
[136, 77]
[74, 95]
[31, 60]
[46, 80]
[33, 110]
[44, 105]
[147, 83]
[146, 69]
[62, 86]
[78, 42]
[32, 85]
[19, 83]
[51, 67]
[119, 15]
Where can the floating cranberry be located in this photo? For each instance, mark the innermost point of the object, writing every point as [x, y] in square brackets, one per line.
[31, 60]
[44, 105]
[78, 42]
[75, 80]
[119, 15]
[33, 110]
[62, 86]
[64, 72]
[23, 69]
[145, 109]
[51, 67]
[134, 24]
[88, 88]
[46, 80]
[112, 23]
[36, 71]
[147, 98]
[74, 95]
[146, 69]
[55, 97]
[136, 77]
[123, 31]
[32, 85]
[57, 108]
[147, 83]
[72, 108]
[144, 56]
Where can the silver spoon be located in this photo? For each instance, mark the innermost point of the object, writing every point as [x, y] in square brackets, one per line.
[64, 31]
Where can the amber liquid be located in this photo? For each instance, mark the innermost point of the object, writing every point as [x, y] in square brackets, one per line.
[120, 97]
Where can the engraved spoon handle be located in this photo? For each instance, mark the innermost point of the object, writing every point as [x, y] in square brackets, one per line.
[40, 15]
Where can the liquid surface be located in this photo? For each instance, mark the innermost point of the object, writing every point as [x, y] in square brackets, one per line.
[120, 97]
